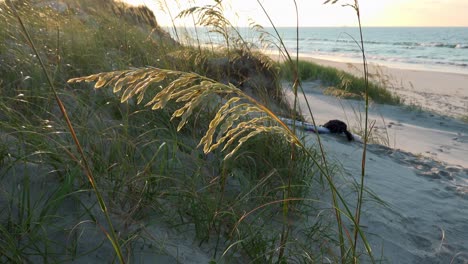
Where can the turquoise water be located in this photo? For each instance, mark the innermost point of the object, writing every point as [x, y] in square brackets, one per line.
[445, 48]
[438, 48]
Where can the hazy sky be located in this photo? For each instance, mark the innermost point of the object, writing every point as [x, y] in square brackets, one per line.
[314, 13]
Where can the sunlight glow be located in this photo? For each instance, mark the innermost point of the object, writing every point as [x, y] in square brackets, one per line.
[315, 13]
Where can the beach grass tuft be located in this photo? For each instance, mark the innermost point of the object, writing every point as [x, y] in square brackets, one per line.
[351, 86]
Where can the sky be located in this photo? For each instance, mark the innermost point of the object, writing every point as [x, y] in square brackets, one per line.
[315, 13]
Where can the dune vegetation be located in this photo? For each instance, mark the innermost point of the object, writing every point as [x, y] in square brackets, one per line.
[179, 156]
[341, 83]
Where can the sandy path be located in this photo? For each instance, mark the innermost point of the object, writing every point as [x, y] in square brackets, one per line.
[421, 133]
[427, 203]
[425, 183]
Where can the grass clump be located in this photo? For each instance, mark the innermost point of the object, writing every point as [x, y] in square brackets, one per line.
[350, 85]
[105, 41]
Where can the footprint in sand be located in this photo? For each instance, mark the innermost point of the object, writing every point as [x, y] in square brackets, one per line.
[426, 167]
[391, 124]
[453, 177]
[420, 241]
[444, 148]
[435, 173]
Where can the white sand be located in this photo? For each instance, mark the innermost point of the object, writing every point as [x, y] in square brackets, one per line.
[421, 133]
[442, 92]
[425, 133]
[427, 203]
[423, 177]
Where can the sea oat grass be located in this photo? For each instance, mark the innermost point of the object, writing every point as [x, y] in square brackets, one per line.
[210, 161]
[238, 120]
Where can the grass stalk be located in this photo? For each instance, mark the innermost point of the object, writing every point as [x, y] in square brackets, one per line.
[366, 132]
[111, 235]
[325, 171]
[174, 27]
[286, 228]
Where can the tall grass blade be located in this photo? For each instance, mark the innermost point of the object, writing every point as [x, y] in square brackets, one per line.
[113, 237]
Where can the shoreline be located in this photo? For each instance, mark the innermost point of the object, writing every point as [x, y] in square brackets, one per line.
[389, 64]
[339, 61]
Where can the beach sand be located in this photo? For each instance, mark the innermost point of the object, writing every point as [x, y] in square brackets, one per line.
[431, 89]
[445, 93]
[426, 202]
[428, 124]
[422, 175]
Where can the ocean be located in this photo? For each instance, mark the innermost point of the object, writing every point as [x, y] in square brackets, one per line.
[429, 48]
